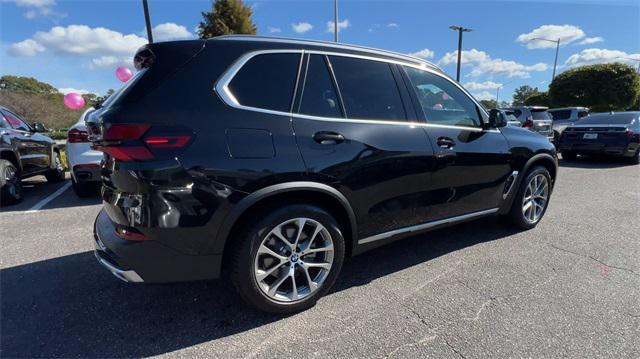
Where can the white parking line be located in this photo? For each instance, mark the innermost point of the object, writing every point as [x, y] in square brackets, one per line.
[49, 198]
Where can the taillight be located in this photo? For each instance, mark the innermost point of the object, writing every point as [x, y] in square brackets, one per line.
[131, 234]
[138, 142]
[76, 136]
[528, 123]
[629, 132]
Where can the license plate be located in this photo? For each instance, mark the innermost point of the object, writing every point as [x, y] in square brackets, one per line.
[590, 136]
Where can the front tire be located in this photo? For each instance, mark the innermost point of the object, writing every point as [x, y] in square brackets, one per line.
[84, 189]
[10, 185]
[532, 199]
[56, 174]
[287, 259]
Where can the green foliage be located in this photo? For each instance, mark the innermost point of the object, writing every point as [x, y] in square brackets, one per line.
[521, 94]
[602, 87]
[489, 104]
[537, 99]
[25, 85]
[227, 17]
[58, 135]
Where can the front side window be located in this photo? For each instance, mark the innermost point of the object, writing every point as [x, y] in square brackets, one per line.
[368, 89]
[442, 102]
[319, 96]
[15, 122]
[267, 81]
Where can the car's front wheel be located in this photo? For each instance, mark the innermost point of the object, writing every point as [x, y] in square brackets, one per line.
[532, 199]
[10, 185]
[288, 258]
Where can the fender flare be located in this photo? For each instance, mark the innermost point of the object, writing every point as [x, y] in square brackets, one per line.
[269, 191]
[527, 166]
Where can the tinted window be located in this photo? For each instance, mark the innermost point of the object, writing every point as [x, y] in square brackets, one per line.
[15, 122]
[3, 122]
[540, 115]
[267, 81]
[368, 89]
[582, 114]
[561, 114]
[443, 102]
[608, 119]
[517, 113]
[319, 94]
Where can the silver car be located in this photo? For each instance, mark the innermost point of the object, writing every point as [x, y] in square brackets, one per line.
[535, 118]
[566, 116]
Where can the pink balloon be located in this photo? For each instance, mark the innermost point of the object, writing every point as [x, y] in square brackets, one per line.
[123, 73]
[74, 101]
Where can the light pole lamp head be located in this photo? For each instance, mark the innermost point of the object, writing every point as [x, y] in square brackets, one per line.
[460, 28]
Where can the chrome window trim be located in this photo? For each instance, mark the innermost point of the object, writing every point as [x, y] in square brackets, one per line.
[221, 87]
[427, 225]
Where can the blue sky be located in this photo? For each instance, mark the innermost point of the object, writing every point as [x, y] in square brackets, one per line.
[78, 44]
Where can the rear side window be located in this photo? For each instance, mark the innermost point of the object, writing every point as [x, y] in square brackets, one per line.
[368, 89]
[561, 114]
[15, 122]
[582, 114]
[442, 102]
[540, 115]
[319, 97]
[517, 113]
[267, 81]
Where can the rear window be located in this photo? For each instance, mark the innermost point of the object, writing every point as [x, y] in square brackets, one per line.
[267, 81]
[608, 119]
[540, 115]
[561, 114]
[119, 94]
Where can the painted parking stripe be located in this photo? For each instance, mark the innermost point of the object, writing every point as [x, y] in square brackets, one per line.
[49, 198]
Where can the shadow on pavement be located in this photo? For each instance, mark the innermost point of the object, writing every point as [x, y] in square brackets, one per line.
[71, 307]
[595, 162]
[37, 189]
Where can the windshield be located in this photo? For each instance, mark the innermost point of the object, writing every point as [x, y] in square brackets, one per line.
[609, 119]
[561, 114]
[540, 115]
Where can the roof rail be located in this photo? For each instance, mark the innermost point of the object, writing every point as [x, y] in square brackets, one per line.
[370, 50]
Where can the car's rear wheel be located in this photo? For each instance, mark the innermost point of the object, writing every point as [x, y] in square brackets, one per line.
[635, 159]
[84, 189]
[56, 174]
[569, 156]
[10, 185]
[532, 199]
[287, 259]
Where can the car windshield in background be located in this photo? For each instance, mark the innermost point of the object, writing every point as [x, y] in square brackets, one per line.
[609, 119]
[560, 114]
[540, 115]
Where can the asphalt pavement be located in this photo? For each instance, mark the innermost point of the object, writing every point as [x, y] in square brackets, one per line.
[568, 288]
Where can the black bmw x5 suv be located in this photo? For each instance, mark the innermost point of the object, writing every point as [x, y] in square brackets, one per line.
[271, 160]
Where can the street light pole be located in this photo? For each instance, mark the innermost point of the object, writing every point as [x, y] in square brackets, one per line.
[335, 20]
[147, 21]
[460, 30]
[555, 62]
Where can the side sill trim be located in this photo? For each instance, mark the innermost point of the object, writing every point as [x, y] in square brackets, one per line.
[427, 225]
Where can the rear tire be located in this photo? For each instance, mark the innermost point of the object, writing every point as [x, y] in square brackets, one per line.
[569, 156]
[84, 189]
[273, 274]
[10, 185]
[532, 199]
[56, 174]
[635, 159]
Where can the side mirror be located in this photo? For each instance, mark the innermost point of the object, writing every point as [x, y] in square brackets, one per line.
[39, 127]
[496, 119]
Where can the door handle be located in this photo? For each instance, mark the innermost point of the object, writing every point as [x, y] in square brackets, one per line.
[446, 142]
[328, 138]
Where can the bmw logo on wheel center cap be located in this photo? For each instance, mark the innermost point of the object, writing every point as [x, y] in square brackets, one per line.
[294, 258]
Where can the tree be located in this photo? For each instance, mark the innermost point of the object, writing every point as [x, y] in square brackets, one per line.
[521, 94]
[25, 85]
[226, 17]
[602, 87]
[489, 104]
[537, 99]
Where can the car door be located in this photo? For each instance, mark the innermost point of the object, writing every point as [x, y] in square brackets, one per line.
[33, 149]
[352, 127]
[472, 163]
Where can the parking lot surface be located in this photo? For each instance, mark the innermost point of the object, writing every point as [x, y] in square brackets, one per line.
[568, 288]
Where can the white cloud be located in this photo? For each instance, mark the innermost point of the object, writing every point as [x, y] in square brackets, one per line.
[566, 33]
[423, 54]
[487, 85]
[66, 90]
[38, 8]
[468, 56]
[110, 62]
[600, 56]
[25, 48]
[301, 27]
[341, 25]
[484, 95]
[506, 67]
[591, 40]
[35, 3]
[81, 39]
[393, 25]
[170, 31]
[274, 30]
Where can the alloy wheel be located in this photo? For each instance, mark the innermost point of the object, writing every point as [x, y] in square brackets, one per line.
[535, 198]
[10, 177]
[293, 260]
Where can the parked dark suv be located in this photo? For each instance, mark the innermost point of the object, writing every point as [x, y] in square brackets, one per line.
[271, 160]
[24, 152]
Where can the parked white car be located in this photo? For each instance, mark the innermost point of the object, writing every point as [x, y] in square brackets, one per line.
[84, 163]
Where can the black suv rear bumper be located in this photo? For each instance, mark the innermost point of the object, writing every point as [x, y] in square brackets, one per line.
[148, 261]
